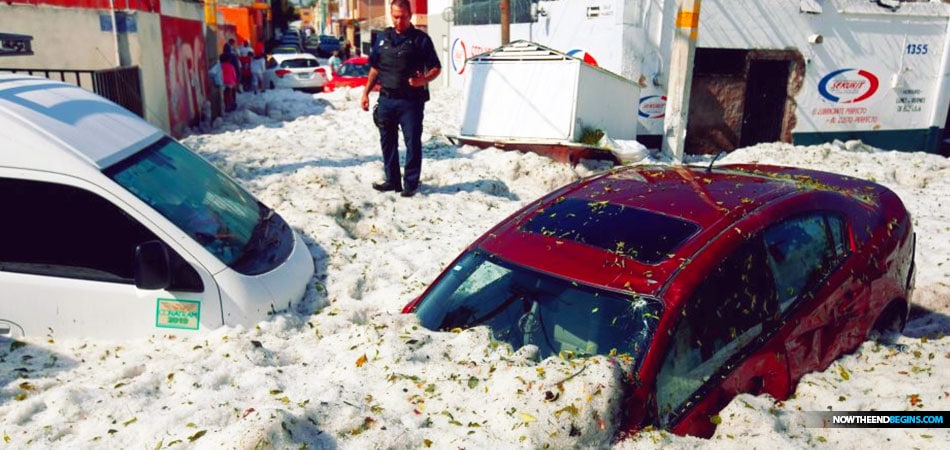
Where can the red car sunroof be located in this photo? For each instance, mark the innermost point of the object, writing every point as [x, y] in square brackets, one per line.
[642, 235]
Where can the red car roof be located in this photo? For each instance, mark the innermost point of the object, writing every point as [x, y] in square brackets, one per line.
[357, 60]
[709, 202]
[348, 81]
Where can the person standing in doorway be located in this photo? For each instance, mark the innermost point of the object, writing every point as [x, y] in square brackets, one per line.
[403, 61]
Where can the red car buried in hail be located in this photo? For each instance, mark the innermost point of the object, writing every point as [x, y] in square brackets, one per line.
[353, 74]
[712, 281]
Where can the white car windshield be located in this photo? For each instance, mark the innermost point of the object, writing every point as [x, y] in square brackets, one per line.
[208, 205]
[299, 63]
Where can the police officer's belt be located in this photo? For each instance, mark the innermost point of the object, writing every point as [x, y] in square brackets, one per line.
[402, 94]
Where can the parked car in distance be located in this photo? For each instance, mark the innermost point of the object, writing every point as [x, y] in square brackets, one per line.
[115, 230]
[312, 44]
[353, 74]
[285, 49]
[326, 44]
[292, 36]
[295, 71]
[710, 282]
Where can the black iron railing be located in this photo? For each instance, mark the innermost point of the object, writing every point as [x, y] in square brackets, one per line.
[122, 85]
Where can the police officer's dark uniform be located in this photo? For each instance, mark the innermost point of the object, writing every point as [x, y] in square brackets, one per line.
[397, 57]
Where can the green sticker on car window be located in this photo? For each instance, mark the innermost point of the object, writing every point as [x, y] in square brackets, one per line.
[173, 313]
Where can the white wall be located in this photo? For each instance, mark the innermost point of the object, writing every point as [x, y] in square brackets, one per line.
[565, 27]
[57, 42]
[439, 30]
[904, 50]
[148, 55]
[184, 9]
[71, 39]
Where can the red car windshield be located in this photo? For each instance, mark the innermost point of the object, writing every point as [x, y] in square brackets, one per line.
[354, 70]
[522, 307]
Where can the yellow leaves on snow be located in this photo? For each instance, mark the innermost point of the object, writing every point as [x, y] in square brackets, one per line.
[845, 374]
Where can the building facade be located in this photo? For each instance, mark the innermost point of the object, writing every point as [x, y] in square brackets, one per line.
[803, 71]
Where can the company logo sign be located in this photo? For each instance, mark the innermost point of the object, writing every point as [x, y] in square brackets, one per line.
[652, 107]
[458, 56]
[848, 86]
[583, 56]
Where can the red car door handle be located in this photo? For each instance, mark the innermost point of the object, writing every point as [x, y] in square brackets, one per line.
[756, 384]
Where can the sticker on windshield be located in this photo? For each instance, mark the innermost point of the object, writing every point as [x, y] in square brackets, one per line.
[172, 313]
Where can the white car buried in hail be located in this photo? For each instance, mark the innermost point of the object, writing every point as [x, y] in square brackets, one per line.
[112, 229]
[295, 71]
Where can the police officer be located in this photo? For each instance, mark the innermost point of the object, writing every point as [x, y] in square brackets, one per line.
[403, 61]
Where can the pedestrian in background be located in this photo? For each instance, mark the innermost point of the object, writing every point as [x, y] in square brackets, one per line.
[216, 77]
[347, 50]
[215, 73]
[231, 52]
[245, 71]
[228, 47]
[403, 61]
[334, 62]
[257, 72]
[229, 77]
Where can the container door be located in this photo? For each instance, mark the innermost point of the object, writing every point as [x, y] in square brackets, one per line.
[765, 97]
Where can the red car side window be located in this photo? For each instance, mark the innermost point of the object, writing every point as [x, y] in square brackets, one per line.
[801, 252]
[725, 313]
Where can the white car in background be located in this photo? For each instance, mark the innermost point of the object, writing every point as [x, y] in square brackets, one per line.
[112, 229]
[295, 71]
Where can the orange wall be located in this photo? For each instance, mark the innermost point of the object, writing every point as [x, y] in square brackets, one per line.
[240, 18]
[306, 16]
[248, 22]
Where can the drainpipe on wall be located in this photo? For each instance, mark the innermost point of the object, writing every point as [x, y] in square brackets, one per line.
[115, 33]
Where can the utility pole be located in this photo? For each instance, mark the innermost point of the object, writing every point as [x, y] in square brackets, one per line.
[505, 7]
[683, 49]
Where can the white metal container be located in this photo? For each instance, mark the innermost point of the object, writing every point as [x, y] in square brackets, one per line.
[871, 70]
[528, 92]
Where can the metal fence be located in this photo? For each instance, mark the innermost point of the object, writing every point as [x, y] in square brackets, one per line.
[122, 85]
